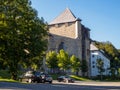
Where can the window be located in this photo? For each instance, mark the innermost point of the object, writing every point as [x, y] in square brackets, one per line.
[93, 66]
[93, 62]
[61, 46]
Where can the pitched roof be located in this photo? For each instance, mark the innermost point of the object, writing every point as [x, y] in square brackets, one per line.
[65, 16]
[93, 47]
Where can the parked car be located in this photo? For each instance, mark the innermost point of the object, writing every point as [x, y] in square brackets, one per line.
[48, 78]
[65, 79]
[35, 76]
[30, 76]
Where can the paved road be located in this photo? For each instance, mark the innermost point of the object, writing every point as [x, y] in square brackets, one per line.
[56, 86]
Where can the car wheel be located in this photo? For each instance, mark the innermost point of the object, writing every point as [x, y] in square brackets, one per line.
[43, 81]
[50, 81]
[38, 81]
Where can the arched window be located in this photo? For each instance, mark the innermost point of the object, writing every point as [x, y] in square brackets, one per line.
[61, 46]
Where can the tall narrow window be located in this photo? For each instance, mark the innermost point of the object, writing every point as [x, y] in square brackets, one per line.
[61, 46]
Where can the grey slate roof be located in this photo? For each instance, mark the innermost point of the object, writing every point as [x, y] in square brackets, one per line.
[65, 16]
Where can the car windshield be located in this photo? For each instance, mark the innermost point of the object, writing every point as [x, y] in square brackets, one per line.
[61, 76]
[37, 73]
[67, 77]
[48, 75]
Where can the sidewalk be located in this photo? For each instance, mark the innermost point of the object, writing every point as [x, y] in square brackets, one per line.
[91, 83]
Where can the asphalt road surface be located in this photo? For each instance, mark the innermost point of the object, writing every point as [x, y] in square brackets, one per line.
[54, 86]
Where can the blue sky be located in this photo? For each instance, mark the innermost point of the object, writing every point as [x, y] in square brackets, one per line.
[101, 16]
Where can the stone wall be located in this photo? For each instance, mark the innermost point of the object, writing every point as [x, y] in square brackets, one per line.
[64, 29]
[74, 37]
[72, 46]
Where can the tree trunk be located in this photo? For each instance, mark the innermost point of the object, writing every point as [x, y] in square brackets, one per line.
[101, 76]
[83, 74]
[14, 76]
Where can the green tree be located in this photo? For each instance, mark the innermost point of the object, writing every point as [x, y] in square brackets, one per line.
[75, 63]
[63, 60]
[84, 67]
[51, 60]
[22, 35]
[113, 73]
[100, 66]
[111, 52]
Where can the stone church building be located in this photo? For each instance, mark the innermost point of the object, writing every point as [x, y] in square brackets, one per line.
[66, 32]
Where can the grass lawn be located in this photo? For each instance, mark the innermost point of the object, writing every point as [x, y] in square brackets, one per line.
[5, 76]
[79, 78]
[72, 76]
[8, 80]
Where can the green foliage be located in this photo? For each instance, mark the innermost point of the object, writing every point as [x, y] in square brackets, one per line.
[110, 51]
[22, 35]
[84, 67]
[80, 78]
[100, 66]
[51, 60]
[75, 63]
[55, 76]
[4, 74]
[63, 60]
[112, 71]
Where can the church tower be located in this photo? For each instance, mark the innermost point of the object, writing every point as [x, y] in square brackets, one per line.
[66, 32]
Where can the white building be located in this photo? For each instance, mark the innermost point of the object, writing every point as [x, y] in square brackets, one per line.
[98, 54]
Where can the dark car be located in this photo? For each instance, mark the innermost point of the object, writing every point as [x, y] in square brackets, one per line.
[48, 78]
[36, 76]
[30, 76]
[65, 79]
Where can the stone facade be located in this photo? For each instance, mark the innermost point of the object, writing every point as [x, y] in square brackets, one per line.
[70, 35]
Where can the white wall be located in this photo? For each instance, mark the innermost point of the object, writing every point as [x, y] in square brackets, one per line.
[96, 55]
